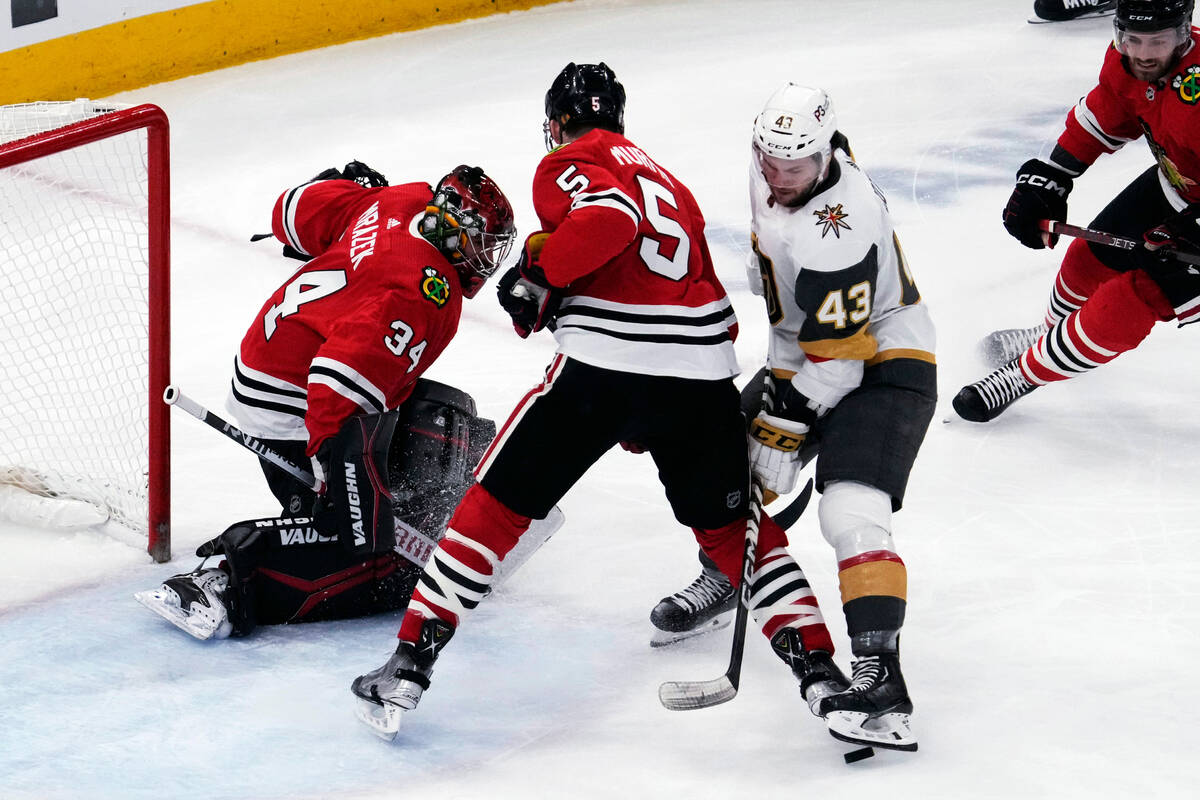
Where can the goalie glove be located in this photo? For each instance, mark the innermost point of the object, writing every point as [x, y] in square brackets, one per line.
[775, 451]
[355, 171]
[525, 293]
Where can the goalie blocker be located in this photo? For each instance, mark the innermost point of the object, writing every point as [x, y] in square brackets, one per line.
[363, 547]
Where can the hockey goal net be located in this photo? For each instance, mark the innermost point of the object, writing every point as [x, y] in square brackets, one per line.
[84, 328]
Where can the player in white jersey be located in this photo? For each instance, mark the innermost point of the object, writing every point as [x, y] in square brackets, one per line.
[851, 376]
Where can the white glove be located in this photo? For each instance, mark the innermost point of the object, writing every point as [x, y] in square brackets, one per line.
[775, 451]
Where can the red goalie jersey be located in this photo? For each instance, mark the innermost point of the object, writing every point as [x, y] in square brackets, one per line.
[1122, 108]
[350, 332]
[627, 242]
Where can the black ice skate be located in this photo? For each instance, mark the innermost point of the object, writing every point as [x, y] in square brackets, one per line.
[193, 602]
[875, 710]
[1000, 347]
[987, 399]
[386, 693]
[1065, 10]
[819, 675]
[708, 604]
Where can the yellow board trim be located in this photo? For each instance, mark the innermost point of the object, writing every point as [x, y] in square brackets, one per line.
[207, 36]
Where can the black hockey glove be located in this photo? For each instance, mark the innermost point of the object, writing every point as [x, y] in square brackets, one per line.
[525, 293]
[1176, 236]
[1040, 194]
[1177, 233]
[355, 171]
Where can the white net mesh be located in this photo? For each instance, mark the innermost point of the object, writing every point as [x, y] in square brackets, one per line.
[74, 316]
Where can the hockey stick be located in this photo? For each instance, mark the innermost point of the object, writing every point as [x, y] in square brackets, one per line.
[1100, 237]
[689, 695]
[173, 397]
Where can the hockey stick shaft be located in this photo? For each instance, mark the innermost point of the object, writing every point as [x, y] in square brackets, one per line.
[174, 397]
[689, 695]
[1111, 240]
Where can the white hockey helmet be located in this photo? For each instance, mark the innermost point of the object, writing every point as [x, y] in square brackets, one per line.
[796, 122]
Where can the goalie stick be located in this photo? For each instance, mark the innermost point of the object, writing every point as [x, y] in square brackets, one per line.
[173, 397]
[1100, 237]
[689, 695]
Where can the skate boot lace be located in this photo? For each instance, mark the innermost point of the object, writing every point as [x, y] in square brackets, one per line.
[867, 672]
[1004, 385]
[1015, 341]
[704, 591]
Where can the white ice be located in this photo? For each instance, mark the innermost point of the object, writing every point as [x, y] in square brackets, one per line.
[1052, 554]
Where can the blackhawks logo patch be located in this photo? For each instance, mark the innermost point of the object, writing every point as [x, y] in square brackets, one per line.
[833, 218]
[1187, 85]
[434, 287]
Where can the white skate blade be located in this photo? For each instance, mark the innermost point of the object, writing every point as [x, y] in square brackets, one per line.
[662, 638]
[156, 602]
[890, 731]
[382, 718]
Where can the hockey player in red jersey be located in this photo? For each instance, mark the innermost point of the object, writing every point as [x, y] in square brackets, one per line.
[330, 370]
[1105, 301]
[622, 275]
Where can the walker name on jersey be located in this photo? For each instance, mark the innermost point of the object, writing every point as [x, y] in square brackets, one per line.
[633, 156]
[356, 526]
[362, 238]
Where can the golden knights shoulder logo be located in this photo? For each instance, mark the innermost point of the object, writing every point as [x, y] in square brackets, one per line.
[434, 287]
[834, 220]
[1187, 84]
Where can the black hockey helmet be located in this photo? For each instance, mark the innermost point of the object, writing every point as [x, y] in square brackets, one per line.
[587, 94]
[1145, 16]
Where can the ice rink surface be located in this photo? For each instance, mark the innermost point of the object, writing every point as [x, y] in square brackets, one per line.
[1052, 554]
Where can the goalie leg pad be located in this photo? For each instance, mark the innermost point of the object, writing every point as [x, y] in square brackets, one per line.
[357, 503]
[438, 440]
[287, 570]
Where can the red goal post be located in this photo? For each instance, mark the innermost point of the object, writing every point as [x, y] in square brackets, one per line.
[91, 267]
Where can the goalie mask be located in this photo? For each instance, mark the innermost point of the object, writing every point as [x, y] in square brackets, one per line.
[791, 141]
[471, 222]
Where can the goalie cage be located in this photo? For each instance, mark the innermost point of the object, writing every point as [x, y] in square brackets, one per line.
[84, 322]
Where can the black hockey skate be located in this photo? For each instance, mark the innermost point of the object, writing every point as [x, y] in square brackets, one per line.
[707, 604]
[819, 675]
[987, 399]
[1000, 347]
[1065, 10]
[384, 694]
[875, 710]
[193, 602]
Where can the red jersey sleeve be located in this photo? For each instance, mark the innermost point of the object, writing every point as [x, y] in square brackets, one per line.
[1103, 121]
[590, 217]
[312, 216]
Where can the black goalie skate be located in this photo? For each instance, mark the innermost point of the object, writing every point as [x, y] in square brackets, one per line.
[875, 710]
[193, 602]
[384, 694]
[987, 399]
[706, 605]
